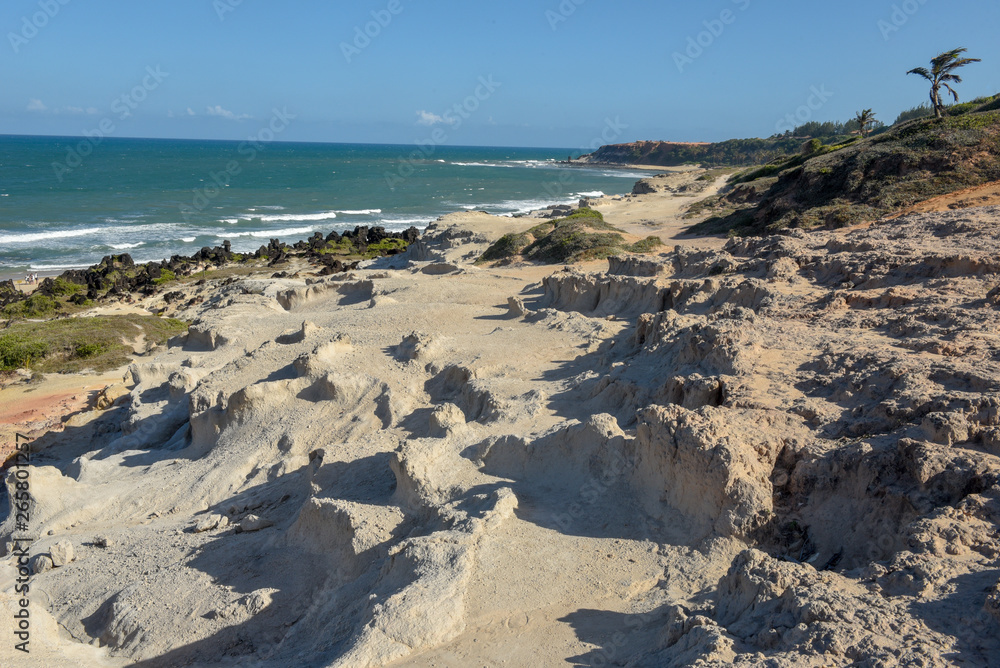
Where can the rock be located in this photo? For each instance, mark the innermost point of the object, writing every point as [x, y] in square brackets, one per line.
[254, 523]
[110, 395]
[246, 606]
[103, 541]
[41, 563]
[61, 553]
[210, 523]
[516, 308]
[446, 418]
[992, 605]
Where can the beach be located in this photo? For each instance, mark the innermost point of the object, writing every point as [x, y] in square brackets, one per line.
[778, 448]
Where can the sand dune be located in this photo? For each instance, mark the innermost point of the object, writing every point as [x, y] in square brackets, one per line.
[784, 451]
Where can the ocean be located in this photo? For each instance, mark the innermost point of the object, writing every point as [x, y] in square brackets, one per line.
[67, 202]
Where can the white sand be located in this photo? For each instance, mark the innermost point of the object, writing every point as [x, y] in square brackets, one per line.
[430, 463]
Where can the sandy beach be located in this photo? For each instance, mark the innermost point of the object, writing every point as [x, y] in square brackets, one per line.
[764, 451]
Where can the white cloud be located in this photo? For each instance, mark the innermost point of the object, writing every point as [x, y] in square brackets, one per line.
[217, 110]
[190, 111]
[36, 105]
[90, 111]
[427, 118]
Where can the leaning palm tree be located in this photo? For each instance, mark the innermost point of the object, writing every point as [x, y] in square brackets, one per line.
[865, 119]
[941, 74]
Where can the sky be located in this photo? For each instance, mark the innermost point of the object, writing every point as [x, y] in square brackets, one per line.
[548, 73]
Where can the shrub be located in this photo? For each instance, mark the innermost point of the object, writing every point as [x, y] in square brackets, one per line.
[84, 350]
[646, 245]
[812, 146]
[35, 306]
[18, 351]
[507, 246]
[165, 277]
[63, 288]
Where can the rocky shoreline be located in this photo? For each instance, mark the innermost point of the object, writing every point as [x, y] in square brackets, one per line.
[118, 276]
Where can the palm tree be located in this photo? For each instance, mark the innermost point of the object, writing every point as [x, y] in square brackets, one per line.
[941, 74]
[865, 119]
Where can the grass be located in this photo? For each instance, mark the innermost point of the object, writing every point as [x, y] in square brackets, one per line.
[70, 345]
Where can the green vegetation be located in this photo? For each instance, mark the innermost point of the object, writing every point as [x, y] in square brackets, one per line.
[647, 245]
[865, 119]
[865, 179]
[507, 246]
[942, 75]
[383, 247]
[69, 345]
[165, 277]
[583, 235]
[63, 288]
[17, 351]
[35, 306]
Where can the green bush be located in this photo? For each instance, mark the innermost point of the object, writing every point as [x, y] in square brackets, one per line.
[506, 246]
[812, 146]
[18, 352]
[35, 306]
[84, 350]
[647, 245]
[165, 277]
[63, 288]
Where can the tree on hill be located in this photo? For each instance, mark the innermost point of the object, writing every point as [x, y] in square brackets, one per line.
[942, 74]
[865, 119]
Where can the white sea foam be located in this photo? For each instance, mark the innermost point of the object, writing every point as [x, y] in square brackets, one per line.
[361, 212]
[230, 221]
[126, 246]
[44, 236]
[57, 267]
[596, 193]
[480, 164]
[272, 234]
[407, 221]
[188, 240]
[292, 217]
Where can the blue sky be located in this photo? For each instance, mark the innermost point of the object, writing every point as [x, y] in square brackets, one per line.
[551, 73]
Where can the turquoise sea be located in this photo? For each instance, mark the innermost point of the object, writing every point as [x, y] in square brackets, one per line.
[67, 202]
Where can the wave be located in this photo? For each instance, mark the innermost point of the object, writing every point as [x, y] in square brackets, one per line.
[292, 217]
[361, 212]
[58, 267]
[188, 240]
[479, 164]
[126, 246]
[596, 193]
[409, 221]
[230, 221]
[44, 236]
[269, 234]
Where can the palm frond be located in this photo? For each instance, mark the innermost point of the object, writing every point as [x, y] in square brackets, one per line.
[922, 71]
